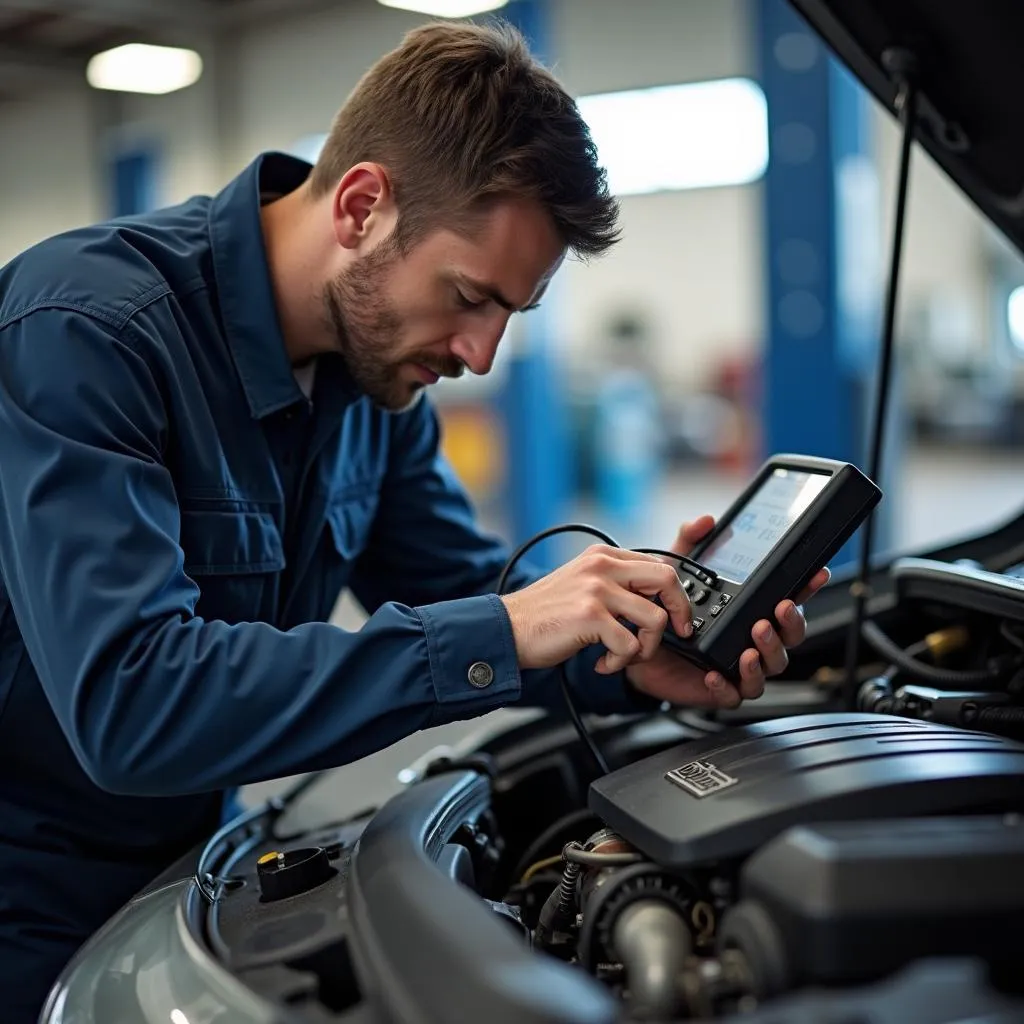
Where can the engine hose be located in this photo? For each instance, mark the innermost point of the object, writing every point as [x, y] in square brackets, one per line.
[653, 942]
[555, 833]
[560, 907]
[993, 718]
[567, 892]
[593, 859]
[891, 650]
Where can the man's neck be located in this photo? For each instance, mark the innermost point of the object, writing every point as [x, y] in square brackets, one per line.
[296, 256]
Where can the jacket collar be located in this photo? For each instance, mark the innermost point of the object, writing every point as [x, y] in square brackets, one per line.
[244, 290]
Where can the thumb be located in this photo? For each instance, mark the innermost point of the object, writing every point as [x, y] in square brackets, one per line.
[691, 533]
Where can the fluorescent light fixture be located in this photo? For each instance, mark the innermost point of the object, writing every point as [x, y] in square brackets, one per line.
[1015, 318]
[672, 137]
[138, 67]
[446, 8]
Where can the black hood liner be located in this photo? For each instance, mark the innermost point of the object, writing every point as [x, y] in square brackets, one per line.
[971, 81]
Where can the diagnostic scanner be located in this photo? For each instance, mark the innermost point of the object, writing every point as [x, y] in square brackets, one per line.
[794, 516]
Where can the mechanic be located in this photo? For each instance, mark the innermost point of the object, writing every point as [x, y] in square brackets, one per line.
[211, 423]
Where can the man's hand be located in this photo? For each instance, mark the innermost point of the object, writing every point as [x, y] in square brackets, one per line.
[581, 602]
[667, 676]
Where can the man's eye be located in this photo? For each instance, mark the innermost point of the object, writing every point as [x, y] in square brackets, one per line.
[464, 302]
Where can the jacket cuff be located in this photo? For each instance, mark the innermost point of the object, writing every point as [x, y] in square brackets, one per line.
[472, 655]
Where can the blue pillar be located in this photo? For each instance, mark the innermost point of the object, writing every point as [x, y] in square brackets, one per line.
[533, 403]
[133, 180]
[823, 254]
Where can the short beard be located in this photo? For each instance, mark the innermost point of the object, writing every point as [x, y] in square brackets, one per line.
[368, 329]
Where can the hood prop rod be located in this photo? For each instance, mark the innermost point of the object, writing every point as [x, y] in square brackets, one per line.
[902, 65]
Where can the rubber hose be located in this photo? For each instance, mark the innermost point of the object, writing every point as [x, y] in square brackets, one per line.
[891, 650]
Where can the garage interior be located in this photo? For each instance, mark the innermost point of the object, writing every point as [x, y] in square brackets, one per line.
[739, 316]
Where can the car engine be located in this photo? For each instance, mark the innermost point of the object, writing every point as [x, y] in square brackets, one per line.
[814, 850]
[829, 853]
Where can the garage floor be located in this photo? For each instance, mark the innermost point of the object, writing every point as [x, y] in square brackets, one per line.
[944, 494]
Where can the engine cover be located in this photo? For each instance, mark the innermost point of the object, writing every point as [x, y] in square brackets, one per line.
[724, 796]
[848, 901]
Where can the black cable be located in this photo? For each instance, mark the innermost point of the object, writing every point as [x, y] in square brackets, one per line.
[913, 651]
[898, 656]
[577, 721]
[1006, 631]
[543, 535]
[218, 847]
[297, 789]
[266, 814]
[584, 734]
[907, 106]
[682, 559]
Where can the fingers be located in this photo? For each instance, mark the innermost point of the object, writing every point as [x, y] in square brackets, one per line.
[771, 651]
[821, 577]
[649, 618]
[768, 656]
[792, 624]
[722, 693]
[622, 647]
[643, 574]
[789, 614]
[690, 534]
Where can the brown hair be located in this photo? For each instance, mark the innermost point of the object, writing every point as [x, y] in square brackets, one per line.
[462, 115]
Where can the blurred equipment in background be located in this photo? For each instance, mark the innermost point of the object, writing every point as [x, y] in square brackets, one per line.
[628, 426]
[957, 390]
[473, 442]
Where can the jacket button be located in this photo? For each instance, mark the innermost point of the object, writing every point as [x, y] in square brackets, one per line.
[480, 674]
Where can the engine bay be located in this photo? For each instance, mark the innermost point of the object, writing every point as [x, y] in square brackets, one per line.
[795, 859]
[817, 850]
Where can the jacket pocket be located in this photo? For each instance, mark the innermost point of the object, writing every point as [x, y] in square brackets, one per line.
[235, 559]
[349, 526]
[351, 522]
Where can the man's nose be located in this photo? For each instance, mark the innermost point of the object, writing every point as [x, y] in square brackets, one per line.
[477, 347]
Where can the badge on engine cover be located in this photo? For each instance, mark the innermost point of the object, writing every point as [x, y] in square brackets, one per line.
[701, 778]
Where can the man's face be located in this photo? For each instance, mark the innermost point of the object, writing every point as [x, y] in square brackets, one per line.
[402, 322]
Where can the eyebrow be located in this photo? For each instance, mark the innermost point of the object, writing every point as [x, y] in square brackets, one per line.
[495, 295]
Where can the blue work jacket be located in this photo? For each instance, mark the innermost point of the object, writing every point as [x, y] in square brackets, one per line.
[177, 520]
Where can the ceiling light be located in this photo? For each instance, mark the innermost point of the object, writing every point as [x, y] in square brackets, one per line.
[697, 135]
[138, 67]
[446, 8]
[1015, 317]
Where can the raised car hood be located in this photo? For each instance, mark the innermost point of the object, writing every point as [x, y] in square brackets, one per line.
[971, 85]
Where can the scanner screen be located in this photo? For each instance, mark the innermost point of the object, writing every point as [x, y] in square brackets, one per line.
[757, 527]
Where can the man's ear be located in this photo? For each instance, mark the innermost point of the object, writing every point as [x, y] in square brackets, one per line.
[363, 210]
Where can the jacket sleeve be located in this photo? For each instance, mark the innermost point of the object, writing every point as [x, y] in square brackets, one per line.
[427, 545]
[152, 698]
